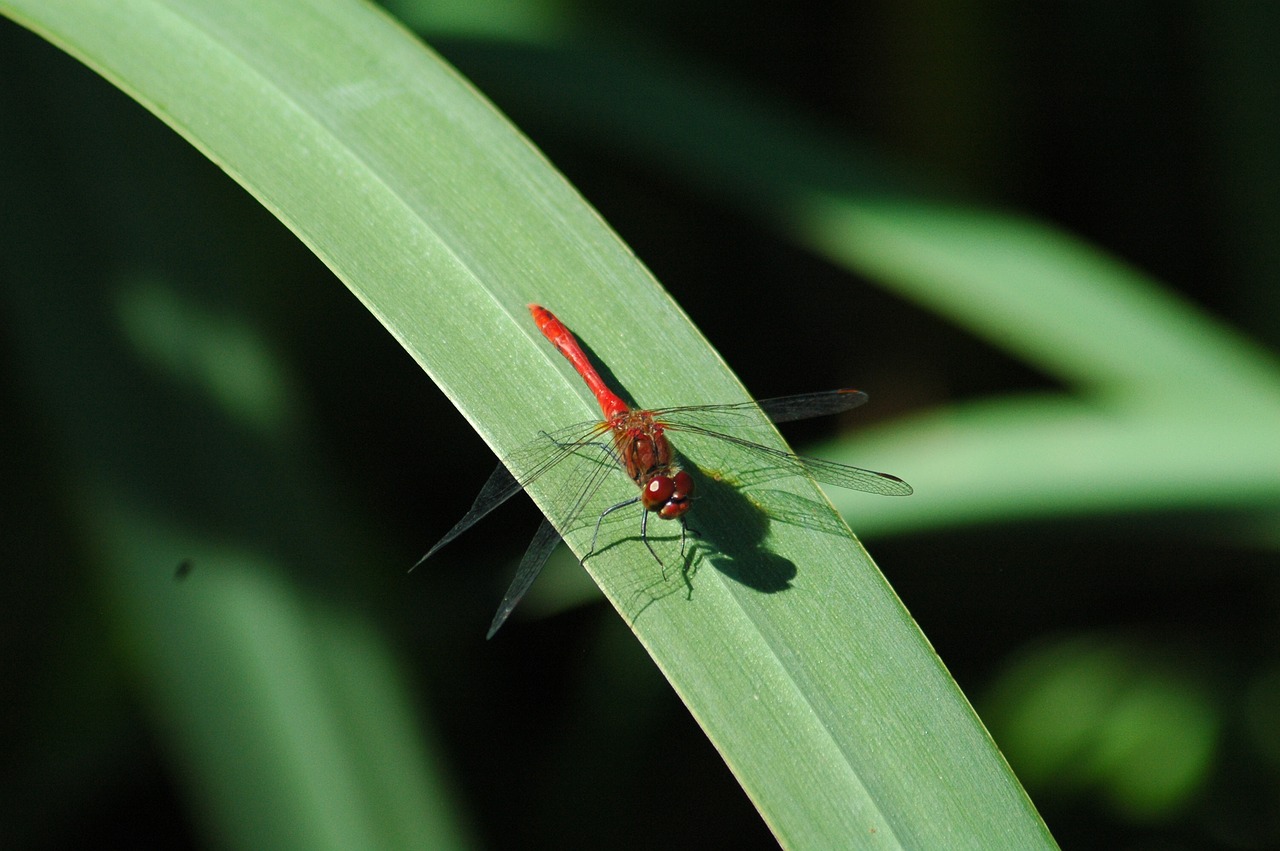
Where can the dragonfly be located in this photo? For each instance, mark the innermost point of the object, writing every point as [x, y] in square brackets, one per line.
[635, 441]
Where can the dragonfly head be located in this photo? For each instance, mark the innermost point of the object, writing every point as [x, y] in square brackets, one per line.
[670, 496]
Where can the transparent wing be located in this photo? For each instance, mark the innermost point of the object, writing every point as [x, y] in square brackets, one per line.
[827, 472]
[540, 549]
[780, 409]
[536, 459]
[706, 420]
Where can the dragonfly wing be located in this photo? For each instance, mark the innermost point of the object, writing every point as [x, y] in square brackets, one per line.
[545, 540]
[540, 548]
[785, 409]
[696, 420]
[827, 472]
[537, 458]
[781, 409]
[854, 478]
[500, 487]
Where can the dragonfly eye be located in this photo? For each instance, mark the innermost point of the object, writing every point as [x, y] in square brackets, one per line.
[684, 487]
[681, 499]
[658, 492]
[670, 496]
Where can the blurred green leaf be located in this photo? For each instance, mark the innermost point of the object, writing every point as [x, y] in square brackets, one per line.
[1174, 410]
[1106, 715]
[1164, 407]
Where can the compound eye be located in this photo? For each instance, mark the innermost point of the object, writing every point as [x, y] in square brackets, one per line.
[683, 487]
[681, 498]
[658, 492]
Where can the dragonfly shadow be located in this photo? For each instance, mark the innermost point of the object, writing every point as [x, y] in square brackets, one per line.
[733, 536]
[742, 512]
[727, 530]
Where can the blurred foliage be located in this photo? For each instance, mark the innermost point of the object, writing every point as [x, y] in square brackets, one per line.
[1110, 594]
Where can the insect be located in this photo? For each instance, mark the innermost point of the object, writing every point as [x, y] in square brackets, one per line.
[638, 443]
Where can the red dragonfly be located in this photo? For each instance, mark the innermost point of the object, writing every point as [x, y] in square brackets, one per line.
[640, 447]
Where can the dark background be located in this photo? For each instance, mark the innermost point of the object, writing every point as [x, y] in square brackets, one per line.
[1150, 129]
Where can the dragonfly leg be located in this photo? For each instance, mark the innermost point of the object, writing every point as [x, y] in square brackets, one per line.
[686, 528]
[596, 535]
[644, 536]
[606, 448]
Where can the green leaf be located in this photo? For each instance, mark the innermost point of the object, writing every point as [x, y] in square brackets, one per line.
[783, 639]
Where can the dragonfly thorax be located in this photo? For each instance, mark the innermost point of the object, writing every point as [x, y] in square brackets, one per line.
[646, 454]
[642, 446]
